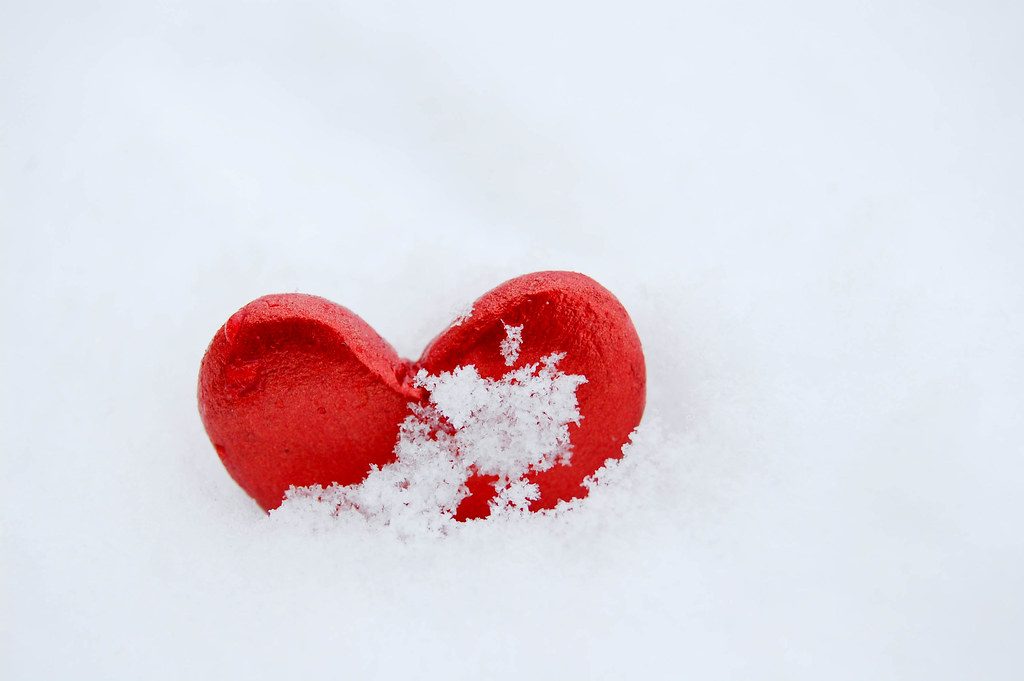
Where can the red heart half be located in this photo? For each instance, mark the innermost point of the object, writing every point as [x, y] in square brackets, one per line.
[296, 390]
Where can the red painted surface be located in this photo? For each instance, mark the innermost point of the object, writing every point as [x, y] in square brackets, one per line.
[296, 390]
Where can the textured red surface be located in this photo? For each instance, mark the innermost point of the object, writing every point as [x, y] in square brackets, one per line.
[296, 390]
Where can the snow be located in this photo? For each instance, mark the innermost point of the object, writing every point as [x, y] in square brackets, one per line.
[812, 213]
[510, 345]
[505, 428]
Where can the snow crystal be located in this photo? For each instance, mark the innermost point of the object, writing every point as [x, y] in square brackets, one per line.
[462, 316]
[510, 346]
[505, 428]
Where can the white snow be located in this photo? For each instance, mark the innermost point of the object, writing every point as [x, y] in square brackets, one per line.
[812, 212]
[510, 345]
[506, 428]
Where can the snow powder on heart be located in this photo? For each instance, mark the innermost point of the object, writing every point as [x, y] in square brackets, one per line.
[470, 425]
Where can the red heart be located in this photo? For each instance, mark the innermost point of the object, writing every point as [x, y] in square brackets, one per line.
[295, 390]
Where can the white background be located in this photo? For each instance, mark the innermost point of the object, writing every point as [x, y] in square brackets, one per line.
[813, 212]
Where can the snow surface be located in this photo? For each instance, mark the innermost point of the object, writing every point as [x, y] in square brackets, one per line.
[812, 212]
